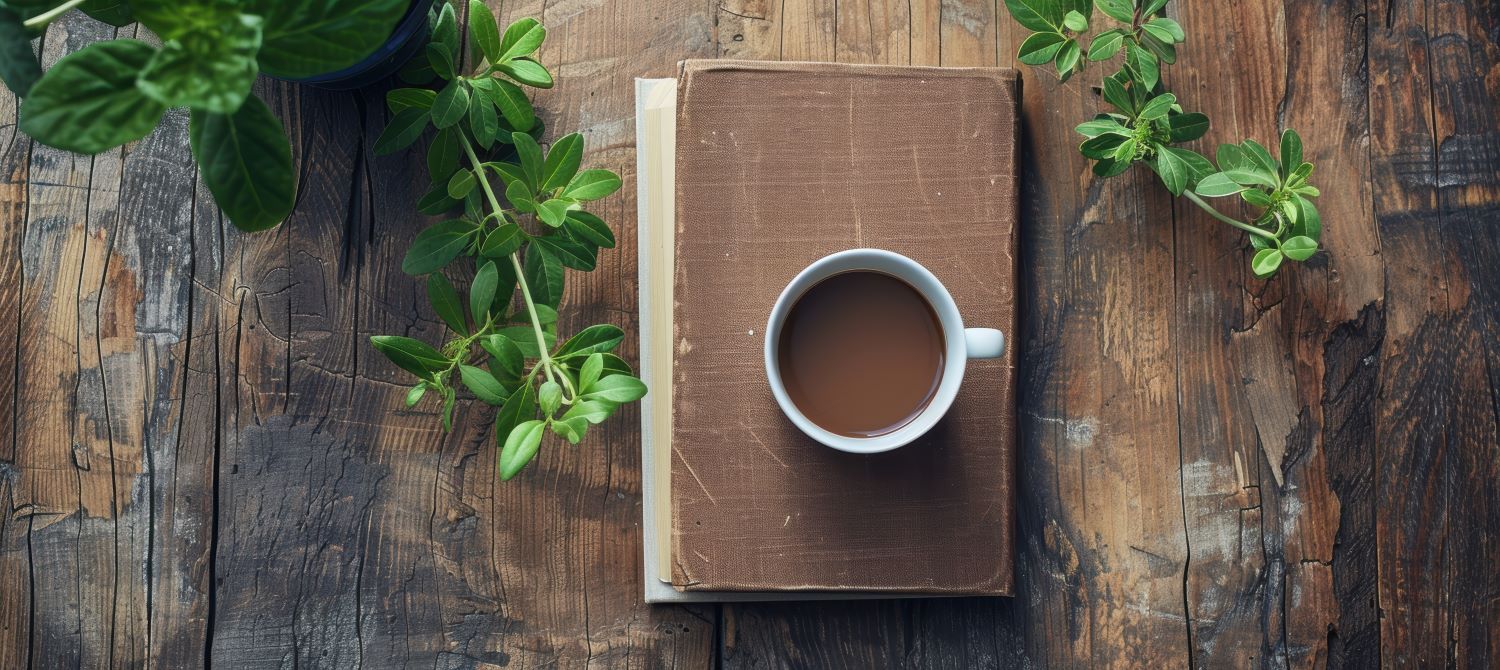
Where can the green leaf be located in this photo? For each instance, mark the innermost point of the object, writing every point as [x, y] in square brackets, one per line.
[445, 29]
[450, 105]
[484, 31]
[414, 396]
[443, 156]
[506, 353]
[589, 228]
[18, 65]
[1309, 222]
[1256, 197]
[437, 246]
[1038, 15]
[1106, 44]
[524, 338]
[436, 201]
[1101, 146]
[413, 356]
[592, 185]
[1164, 51]
[1229, 156]
[508, 172]
[591, 411]
[549, 397]
[1115, 94]
[445, 302]
[601, 338]
[88, 102]
[1158, 106]
[1125, 152]
[562, 162]
[1159, 32]
[592, 368]
[1067, 58]
[398, 99]
[1217, 185]
[1172, 28]
[1040, 48]
[1109, 167]
[1291, 153]
[482, 291]
[520, 447]
[544, 276]
[1075, 21]
[482, 384]
[553, 212]
[1172, 169]
[209, 69]
[522, 38]
[1152, 7]
[483, 121]
[520, 196]
[303, 39]
[530, 155]
[527, 71]
[1261, 158]
[1298, 177]
[1266, 262]
[503, 241]
[569, 252]
[246, 162]
[571, 430]
[1143, 64]
[1119, 10]
[1249, 177]
[440, 60]
[448, 398]
[1198, 165]
[460, 185]
[519, 407]
[1187, 127]
[617, 389]
[513, 104]
[404, 129]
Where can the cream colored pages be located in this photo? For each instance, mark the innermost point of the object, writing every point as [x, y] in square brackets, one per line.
[656, 141]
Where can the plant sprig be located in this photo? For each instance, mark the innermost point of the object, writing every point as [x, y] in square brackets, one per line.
[506, 355]
[1148, 123]
[116, 91]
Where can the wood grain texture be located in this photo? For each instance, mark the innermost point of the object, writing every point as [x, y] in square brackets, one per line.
[202, 462]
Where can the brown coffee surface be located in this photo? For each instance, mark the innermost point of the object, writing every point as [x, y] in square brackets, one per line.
[861, 353]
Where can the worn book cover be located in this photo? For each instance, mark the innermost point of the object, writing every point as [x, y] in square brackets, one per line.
[777, 165]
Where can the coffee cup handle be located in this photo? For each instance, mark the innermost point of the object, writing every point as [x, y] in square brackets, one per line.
[984, 342]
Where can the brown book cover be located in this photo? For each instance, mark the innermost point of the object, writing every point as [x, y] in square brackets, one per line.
[777, 165]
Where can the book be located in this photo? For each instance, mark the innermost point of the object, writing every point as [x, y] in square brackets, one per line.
[747, 173]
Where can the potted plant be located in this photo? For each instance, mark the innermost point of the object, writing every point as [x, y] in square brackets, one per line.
[115, 91]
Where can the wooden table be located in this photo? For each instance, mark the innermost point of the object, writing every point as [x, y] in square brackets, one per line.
[204, 461]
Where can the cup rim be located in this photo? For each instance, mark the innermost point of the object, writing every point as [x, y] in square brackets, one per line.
[931, 289]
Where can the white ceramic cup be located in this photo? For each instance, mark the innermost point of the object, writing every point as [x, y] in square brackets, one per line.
[962, 344]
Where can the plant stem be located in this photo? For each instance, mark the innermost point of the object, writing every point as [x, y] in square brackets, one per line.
[515, 261]
[51, 15]
[1233, 222]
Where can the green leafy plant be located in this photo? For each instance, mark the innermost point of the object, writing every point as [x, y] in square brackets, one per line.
[115, 91]
[1148, 124]
[504, 351]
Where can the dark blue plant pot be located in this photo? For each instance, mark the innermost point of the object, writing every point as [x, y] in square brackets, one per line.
[407, 40]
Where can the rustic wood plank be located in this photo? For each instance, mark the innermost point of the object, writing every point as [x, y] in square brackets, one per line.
[65, 491]
[1433, 125]
[15, 526]
[1261, 510]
